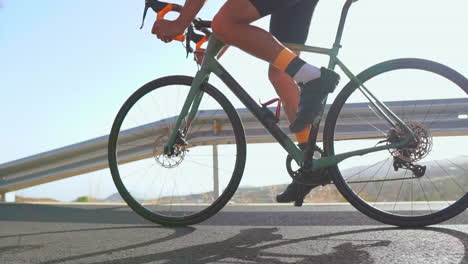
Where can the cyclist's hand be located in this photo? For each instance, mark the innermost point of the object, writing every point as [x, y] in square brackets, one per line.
[166, 30]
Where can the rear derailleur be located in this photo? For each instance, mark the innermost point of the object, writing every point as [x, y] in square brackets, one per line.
[417, 170]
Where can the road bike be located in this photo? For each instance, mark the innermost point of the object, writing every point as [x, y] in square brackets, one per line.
[394, 138]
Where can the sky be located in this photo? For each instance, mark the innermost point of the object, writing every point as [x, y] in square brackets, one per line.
[66, 68]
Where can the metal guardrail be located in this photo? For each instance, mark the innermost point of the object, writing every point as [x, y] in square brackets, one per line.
[357, 122]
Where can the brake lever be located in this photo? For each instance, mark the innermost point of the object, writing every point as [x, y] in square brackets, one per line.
[198, 39]
[144, 14]
[155, 5]
[161, 8]
[190, 33]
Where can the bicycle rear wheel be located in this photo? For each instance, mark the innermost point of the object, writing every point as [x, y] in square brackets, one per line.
[206, 168]
[433, 100]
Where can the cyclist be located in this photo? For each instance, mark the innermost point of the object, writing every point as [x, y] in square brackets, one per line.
[290, 21]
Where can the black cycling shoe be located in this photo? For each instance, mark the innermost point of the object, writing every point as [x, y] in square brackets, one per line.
[311, 99]
[295, 192]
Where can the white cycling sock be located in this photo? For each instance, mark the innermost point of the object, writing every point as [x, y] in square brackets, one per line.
[298, 69]
[306, 74]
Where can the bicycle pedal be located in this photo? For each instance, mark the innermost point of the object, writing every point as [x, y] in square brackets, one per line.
[298, 203]
[313, 178]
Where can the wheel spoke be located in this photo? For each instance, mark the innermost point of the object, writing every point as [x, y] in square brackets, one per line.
[361, 171]
[370, 124]
[359, 192]
[378, 194]
[425, 196]
[458, 166]
[427, 112]
[437, 189]
[399, 191]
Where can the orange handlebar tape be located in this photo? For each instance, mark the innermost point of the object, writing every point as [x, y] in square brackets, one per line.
[284, 58]
[168, 8]
[200, 43]
[180, 37]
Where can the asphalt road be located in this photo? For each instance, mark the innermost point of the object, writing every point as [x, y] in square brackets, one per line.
[45, 233]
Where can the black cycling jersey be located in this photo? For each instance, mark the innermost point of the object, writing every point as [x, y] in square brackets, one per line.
[290, 19]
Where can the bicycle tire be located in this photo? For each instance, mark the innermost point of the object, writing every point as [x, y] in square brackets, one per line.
[329, 145]
[239, 143]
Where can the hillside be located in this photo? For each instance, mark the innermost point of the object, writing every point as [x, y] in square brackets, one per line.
[444, 180]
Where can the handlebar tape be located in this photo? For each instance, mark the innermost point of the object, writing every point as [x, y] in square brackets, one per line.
[200, 43]
[168, 8]
[162, 9]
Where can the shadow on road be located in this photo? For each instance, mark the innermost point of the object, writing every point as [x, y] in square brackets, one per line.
[178, 232]
[18, 249]
[257, 245]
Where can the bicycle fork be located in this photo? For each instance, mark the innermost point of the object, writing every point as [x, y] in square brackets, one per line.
[189, 110]
[193, 100]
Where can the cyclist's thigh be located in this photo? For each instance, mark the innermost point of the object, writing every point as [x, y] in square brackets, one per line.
[237, 11]
[268, 7]
[292, 24]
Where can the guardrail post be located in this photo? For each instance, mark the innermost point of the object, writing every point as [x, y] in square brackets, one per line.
[215, 172]
[8, 197]
[216, 128]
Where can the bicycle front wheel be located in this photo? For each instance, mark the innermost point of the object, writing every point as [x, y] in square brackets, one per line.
[204, 171]
[418, 185]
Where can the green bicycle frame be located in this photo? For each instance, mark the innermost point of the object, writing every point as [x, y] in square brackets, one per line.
[211, 65]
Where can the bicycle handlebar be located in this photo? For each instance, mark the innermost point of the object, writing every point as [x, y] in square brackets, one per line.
[162, 8]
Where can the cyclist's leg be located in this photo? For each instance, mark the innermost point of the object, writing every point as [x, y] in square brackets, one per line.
[231, 25]
[291, 25]
[287, 90]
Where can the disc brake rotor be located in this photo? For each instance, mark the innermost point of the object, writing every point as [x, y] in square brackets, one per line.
[168, 161]
[417, 150]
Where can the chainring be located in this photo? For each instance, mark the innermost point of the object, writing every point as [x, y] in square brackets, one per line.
[312, 178]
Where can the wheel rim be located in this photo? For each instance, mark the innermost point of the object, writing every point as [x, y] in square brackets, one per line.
[184, 188]
[375, 184]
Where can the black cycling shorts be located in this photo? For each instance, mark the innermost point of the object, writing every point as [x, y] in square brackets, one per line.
[290, 19]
